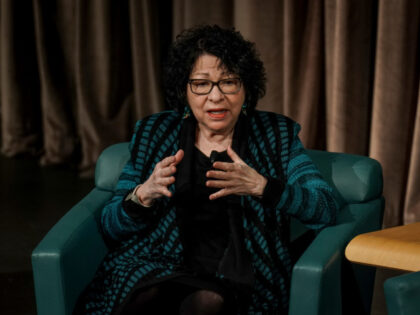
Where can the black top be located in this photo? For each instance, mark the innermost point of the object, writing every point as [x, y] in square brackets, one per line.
[205, 222]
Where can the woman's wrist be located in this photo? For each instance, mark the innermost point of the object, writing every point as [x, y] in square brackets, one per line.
[142, 197]
[260, 187]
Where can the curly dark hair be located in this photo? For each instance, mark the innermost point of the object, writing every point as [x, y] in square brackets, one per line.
[238, 55]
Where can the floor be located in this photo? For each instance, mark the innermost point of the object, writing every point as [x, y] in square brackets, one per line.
[33, 199]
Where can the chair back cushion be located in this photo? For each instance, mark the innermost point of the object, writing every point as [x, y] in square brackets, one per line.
[355, 178]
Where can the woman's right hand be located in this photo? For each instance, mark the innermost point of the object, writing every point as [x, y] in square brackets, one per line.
[157, 184]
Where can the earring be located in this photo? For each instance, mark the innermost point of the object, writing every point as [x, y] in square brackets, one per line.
[187, 112]
[244, 109]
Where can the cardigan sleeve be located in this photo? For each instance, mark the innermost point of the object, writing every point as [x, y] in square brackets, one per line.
[304, 194]
[117, 221]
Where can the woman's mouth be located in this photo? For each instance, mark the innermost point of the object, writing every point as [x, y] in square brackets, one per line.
[217, 113]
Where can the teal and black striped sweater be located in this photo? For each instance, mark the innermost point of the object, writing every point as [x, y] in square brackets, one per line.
[149, 247]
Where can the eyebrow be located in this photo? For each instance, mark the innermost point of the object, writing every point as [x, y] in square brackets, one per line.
[207, 74]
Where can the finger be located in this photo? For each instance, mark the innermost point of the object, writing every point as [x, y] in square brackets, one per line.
[167, 161]
[178, 157]
[166, 181]
[220, 193]
[167, 171]
[224, 166]
[166, 192]
[218, 174]
[218, 183]
[235, 157]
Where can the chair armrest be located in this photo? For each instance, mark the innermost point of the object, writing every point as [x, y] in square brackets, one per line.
[68, 256]
[402, 294]
[316, 277]
[110, 164]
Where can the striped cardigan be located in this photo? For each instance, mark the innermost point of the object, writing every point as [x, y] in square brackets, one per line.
[149, 247]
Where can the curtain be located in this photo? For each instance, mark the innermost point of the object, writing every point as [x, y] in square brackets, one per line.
[76, 75]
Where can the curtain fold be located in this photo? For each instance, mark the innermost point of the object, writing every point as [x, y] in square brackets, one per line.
[253, 19]
[76, 75]
[395, 101]
[103, 76]
[21, 128]
[304, 83]
[187, 13]
[411, 211]
[55, 61]
[146, 57]
[350, 28]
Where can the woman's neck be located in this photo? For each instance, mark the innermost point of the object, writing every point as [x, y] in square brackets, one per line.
[207, 141]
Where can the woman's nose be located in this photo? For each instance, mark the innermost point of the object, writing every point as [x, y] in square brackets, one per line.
[215, 94]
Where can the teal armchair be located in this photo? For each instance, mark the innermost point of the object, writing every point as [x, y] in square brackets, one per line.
[66, 259]
[402, 294]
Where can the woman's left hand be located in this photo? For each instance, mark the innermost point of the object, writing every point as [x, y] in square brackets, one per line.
[235, 178]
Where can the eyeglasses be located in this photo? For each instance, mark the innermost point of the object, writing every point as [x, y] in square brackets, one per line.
[226, 86]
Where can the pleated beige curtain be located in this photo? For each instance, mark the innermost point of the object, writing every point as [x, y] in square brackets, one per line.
[75, 75]
[117, 71]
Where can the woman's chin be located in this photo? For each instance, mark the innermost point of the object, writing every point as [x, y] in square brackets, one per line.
[222, 125]
[220, 128]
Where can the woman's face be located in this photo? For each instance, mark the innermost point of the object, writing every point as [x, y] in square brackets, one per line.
[215, 112]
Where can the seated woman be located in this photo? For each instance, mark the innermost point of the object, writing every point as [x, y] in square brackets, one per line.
[199, 223]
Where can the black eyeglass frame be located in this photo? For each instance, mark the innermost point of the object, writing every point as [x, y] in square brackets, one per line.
[190, 81]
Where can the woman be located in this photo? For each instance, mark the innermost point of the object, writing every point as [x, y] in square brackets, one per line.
[199, 220]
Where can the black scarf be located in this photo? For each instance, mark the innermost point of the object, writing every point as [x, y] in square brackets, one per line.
[235, 265]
